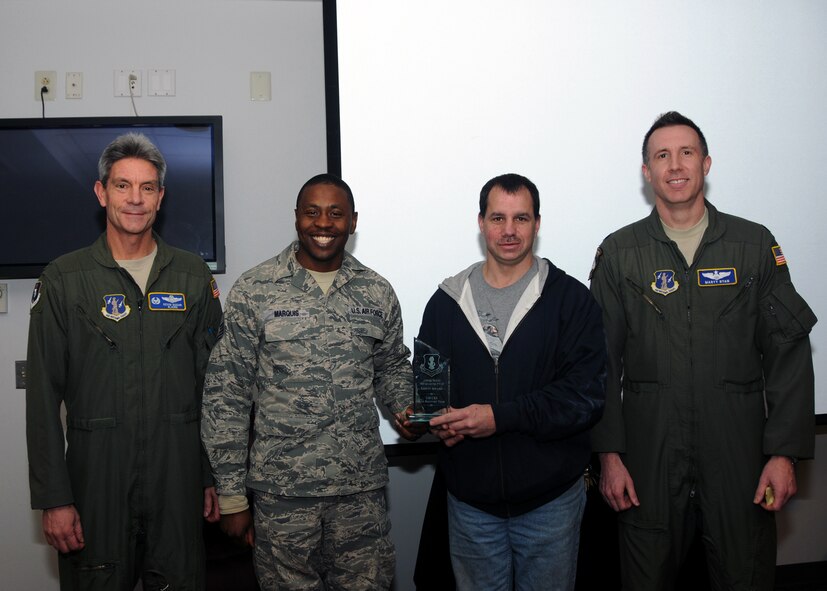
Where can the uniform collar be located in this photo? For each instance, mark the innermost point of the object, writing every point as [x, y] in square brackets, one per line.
[287, 267]
[103, 256]
[715, 230]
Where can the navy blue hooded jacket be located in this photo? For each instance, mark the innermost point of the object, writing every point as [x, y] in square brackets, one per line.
[546, 390]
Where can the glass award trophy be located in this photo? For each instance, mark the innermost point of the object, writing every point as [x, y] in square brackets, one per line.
[432, 383]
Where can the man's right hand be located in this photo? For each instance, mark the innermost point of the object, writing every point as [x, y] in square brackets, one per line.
[61, 526]
[616, 484]
[240, 525]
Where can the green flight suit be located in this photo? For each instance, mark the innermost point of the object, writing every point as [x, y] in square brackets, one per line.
[129, 369]
[695, 353]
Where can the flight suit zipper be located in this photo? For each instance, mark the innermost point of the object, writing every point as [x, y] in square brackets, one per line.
[740, 296]
[646, 298]
[96, 328]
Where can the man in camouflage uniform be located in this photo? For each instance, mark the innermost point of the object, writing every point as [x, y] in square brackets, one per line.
[312, 335]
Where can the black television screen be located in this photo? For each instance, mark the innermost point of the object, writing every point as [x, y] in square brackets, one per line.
[48, 168]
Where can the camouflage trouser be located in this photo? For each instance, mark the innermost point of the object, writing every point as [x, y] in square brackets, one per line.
[325, 543]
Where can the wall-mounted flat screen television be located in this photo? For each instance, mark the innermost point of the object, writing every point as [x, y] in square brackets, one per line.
[48, 168]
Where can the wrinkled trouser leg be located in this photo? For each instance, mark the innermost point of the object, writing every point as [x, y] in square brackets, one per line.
[340, 542]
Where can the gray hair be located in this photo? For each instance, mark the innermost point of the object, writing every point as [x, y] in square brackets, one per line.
[131, 145]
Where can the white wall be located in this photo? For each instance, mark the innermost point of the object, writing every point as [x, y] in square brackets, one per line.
[802, 525]
[437, 97]
[270, 149]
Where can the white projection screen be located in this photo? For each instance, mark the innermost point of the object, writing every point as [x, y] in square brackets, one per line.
[437, 96]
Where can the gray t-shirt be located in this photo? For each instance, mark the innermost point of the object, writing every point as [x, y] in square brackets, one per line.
[495, 305]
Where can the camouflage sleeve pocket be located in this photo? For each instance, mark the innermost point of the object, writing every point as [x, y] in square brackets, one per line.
[367, 328]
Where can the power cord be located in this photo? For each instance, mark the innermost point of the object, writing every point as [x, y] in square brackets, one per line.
[43, 91]
[132, 78]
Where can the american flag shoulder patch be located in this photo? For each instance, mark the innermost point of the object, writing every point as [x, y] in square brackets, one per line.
[778, 256]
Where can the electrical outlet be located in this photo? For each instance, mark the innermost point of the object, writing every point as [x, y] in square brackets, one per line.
[74, 85]
[126, 80]
[47, 78]
[4, 298]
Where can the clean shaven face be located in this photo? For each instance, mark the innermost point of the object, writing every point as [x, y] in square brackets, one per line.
[677, 166]
[324, 222]
[132, 196]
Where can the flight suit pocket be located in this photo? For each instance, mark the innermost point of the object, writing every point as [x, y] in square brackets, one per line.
[647, 348]
[735, 355]
[91, 424]
[755, 386]
[177, 328]
[787, 314]
[644, 404]
[182, 418]
[92, 574]
[99, 369]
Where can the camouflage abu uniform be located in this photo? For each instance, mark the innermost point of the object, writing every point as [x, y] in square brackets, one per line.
[312, 364]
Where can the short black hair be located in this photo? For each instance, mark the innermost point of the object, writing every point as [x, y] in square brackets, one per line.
[510, 183]
[328, 179]
[670, 119]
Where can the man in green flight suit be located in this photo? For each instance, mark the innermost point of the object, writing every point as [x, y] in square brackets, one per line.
[120, 333]
[709, 398]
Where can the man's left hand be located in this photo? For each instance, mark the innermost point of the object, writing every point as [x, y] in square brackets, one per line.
[779, 475]
[474, 420]
[211, 513]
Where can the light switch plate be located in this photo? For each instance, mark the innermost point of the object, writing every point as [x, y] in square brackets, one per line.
[260, 86]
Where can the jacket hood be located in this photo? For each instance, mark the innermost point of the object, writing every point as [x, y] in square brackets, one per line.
[454, 285]
[458, 288]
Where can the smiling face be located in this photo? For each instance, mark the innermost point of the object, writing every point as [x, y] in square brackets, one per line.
[132, 197]
[324, 221]
[676, 167]
[509, 227]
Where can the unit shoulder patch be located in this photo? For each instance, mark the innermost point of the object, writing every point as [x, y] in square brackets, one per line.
[114, 307]
[665, 282]
[596, 262]
[38, 289]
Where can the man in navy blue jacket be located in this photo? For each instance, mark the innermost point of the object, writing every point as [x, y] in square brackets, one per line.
[527, 353]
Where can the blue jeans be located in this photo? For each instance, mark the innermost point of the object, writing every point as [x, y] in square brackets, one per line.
[535, 550]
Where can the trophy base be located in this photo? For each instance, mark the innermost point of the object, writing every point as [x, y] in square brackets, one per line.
[423, 417]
